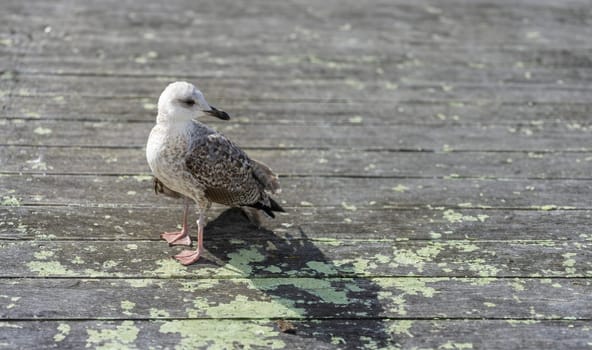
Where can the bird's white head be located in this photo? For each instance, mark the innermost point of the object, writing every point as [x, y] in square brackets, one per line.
[182, 101]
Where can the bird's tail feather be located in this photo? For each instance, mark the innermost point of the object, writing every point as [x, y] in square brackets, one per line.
[268, 209]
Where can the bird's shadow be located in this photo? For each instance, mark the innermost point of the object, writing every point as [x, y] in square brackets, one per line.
[291, 271]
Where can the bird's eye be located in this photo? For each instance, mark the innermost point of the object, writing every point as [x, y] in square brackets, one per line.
[188, 102]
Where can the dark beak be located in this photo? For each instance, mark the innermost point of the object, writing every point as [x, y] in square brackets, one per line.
[218, 113]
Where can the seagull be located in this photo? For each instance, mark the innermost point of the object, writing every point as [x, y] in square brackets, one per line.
[191, 160]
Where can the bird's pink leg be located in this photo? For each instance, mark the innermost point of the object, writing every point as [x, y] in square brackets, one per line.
[188, 257]
[180, 237]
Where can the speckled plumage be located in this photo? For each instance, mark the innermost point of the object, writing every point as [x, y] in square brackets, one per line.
[189, 158]
[197, 161]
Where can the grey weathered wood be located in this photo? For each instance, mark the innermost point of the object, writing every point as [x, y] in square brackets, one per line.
[396, 112]
[41, 223]
[298, 298]
[276, 257]
[350, 193]
[317, 334]
[375, 137]
[311, 90]
[330, 162]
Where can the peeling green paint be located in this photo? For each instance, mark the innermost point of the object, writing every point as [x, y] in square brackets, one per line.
[322, 267]
[139, 283]
[549, 207]
[222, 334]
[243, 306]
[37, 164]
[400, 188]
[149, 106]
[569, 263]
[390, 86]
[273, 269]
[383, 259]
[321, 288]
[450, 345]
[416, 257]
[42, 131]
[455, 217]
[9, 325]
[63, 331]
[412, 285]
[10, 201]
[338, 341]
[482, 269]
[199, 285]
[49, 268]
[55, 268]
[168, 267]
[358, 266]
[518, 285]
[356, 119]
[356, 84]
[109, 264]
[131, 246]
[465, 247]
[121, 337]
[240, 261]
[522, 322]
[347, 206]
[407, 286]
[435, 235]
[401, 327]
[43, 254]
[127, 306]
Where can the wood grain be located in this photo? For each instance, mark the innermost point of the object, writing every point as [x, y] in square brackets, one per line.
[435, 159]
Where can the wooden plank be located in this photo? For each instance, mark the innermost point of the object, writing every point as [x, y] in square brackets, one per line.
[274, 257]
[297, 298]
[443, 68]
[305, 90]
[166, 55]
[424, 111]
[348, 193]
[296, 162]
[312, 334]
[444, 25]
[42, 223]
[376, 137]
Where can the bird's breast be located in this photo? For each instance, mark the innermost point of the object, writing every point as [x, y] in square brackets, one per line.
[165, 152]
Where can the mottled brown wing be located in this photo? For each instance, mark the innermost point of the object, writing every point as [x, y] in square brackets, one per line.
[224, 170]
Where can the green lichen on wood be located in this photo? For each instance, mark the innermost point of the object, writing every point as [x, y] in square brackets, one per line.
[127, 306]
[401, 327]
[10, 201]
[456, 217]
[241, 260]
[122, 337]
[63, 331]
[321, 288]
[221, 334]
[49, 268]
[406, 286]
[243, 306]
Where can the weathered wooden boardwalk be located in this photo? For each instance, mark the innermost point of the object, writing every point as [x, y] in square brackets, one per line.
[436, 160]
